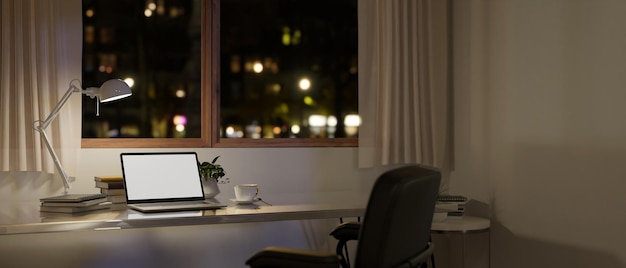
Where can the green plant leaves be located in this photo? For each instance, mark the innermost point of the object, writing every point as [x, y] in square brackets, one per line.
[211, 170]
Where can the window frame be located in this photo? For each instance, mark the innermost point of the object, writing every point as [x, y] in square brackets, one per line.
[210, 109]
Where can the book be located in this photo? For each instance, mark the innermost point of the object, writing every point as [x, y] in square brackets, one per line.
[110, 184]
[75, 198]
[75, 204]
[454, 205]
[108, 178]
[455, 213]
[104, 205]
[452, 198]
[113, 191]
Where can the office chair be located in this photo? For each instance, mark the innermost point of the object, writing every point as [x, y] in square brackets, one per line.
[349, 231]
[395, 230]
[344, 233]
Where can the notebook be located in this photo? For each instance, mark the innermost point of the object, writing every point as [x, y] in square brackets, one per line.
[159, 182]
[72, 198]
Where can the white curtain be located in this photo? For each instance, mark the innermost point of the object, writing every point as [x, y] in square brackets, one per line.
[41, 47]
[404, 91]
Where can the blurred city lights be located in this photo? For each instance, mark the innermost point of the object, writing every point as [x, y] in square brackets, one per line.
[304, 84]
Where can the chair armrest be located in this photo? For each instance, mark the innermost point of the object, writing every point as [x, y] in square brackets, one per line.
[347, 231]
[286, 257]
[421, 258]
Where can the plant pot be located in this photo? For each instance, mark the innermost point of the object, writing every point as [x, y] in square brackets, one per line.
[210, 188]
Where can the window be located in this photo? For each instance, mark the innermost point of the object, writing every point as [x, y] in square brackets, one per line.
[230, 73]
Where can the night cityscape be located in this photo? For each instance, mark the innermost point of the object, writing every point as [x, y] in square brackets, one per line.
[287, 68]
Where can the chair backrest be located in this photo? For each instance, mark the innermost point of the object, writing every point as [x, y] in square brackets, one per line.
[398, 217]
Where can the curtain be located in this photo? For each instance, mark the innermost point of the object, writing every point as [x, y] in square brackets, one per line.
[404, 96]
[41, 49]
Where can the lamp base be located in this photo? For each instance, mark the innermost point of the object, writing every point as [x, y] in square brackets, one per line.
[74, 203]
[73, 198]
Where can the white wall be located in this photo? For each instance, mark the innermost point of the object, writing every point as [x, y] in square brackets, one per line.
[540, 132]
[275, 170]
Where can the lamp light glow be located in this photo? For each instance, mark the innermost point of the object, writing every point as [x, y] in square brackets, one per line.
[110, 90]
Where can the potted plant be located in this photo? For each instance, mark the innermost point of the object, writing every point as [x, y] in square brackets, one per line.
[211, 174]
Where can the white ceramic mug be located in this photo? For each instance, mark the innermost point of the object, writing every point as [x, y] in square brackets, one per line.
[246, 192]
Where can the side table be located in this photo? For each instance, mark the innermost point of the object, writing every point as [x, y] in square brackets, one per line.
[462, 242]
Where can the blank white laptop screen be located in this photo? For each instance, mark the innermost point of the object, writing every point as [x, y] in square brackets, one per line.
[161, 176]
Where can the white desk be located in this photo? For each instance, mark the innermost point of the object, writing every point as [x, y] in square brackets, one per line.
[24, 217]
[462, 224]
[452, 253]
[128, 227]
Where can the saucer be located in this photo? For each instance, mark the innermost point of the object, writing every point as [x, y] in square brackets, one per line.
[245, 202]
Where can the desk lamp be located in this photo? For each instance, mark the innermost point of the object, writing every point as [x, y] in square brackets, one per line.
[110, 90]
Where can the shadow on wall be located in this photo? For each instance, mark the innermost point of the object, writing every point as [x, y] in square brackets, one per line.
[535, 253]
[509, 250]
[478, 209]
[28, 186]
[559, 205]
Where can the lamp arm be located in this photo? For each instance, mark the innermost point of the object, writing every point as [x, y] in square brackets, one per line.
[55, 158]
[58, 107]
[41, 128]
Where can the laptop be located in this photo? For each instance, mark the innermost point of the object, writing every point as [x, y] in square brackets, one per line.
[160, 182]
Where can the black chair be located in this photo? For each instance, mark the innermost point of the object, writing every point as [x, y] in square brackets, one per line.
[344, 233]
[349, 231]
[395, 230]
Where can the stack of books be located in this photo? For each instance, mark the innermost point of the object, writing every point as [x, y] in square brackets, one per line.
[453, 205]
[113, 188]
[74, 203]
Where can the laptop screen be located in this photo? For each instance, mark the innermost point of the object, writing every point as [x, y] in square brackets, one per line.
[150, 177]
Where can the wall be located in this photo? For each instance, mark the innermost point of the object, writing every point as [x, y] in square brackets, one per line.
[275, 170]
[540, 134]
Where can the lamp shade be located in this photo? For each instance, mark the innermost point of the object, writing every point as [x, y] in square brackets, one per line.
[113, 89]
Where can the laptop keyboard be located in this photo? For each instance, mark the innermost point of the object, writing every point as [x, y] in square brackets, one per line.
[177, 204]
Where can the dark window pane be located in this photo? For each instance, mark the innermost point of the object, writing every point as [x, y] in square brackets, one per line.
[157, 45]
[270, 49]
[288, 68]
